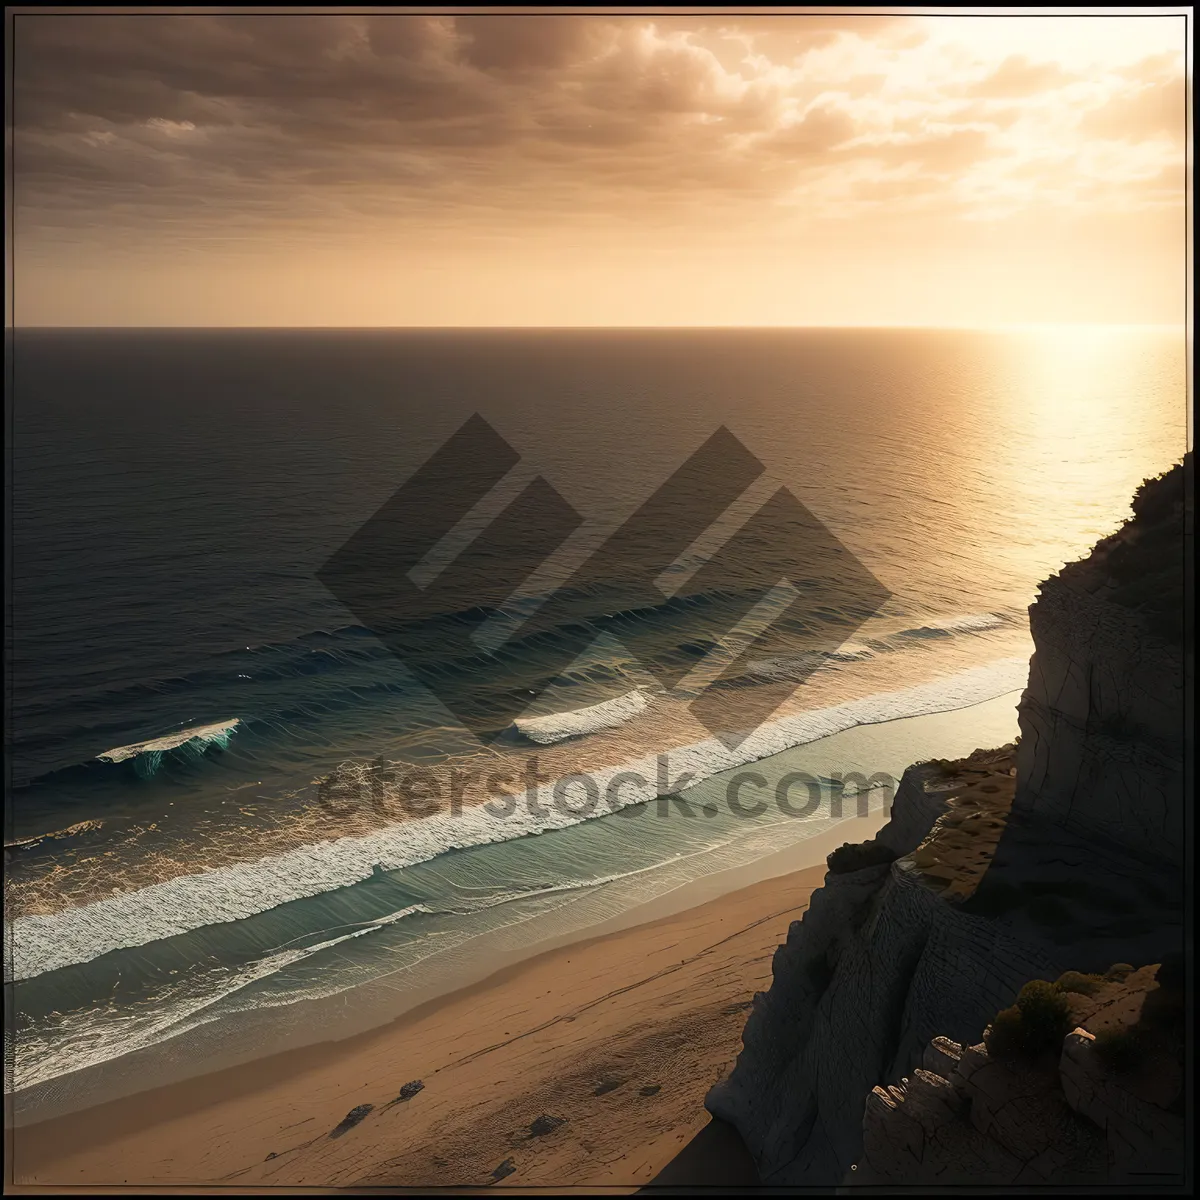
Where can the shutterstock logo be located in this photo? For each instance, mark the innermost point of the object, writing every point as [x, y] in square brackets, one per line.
[781, 577]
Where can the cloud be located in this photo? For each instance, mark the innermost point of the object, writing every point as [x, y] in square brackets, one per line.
[1156, 68]
[1017, 77]
[940, 151]
[523, 43]
[821, 129]
[220, 120]
[1157, 109]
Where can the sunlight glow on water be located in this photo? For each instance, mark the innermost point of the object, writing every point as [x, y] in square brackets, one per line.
[174, 494]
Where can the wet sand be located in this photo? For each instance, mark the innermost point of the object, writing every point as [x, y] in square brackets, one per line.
[584, 1066]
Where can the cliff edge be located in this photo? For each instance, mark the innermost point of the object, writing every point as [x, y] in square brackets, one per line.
[1101, 721]
[1060, 853]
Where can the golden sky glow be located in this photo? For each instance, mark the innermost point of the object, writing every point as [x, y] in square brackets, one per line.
[618, 169]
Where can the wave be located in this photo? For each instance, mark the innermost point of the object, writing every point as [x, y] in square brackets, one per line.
[559, 726]
[67, 709]
[198, 737]
[792, 666]
[798, 667]
[354, 669]
[71, 831]
[91, 1038]
[86, 1038]
[47, 942]
[946, 627]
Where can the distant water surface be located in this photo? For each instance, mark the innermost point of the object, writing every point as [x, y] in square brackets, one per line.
[175, 492]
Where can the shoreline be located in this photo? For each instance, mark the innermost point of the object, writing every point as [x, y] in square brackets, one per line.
[328, 1019]
[47, 921]
[668, 994]
[376, 1003]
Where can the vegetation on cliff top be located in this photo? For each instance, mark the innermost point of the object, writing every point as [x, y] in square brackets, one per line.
[1141, 566]
[1045, 1012]
[856, 857]
[1035, 1025]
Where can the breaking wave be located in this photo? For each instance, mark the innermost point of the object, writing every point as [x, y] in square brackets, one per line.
[93, 1038]
[48, 942]
[559, 726]
[197, 739]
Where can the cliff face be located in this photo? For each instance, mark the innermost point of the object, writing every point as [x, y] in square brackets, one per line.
[1011, 865]
[1101, 724]
[880, 963]
[1101, 721]
[969, 1117]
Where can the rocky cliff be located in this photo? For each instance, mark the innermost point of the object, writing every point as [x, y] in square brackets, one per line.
[1105, 1109]
[1011, 865]
[1102, 719]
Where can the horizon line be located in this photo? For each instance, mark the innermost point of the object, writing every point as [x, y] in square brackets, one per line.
[1008, 326]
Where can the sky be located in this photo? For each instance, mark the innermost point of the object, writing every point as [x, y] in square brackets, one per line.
[218, 167]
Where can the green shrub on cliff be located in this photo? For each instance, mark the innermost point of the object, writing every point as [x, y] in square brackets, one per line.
[1035, 1025]
[1141, 565]
[849, 857]
[1045, 1013]
[1076, 981]
[1005, 1036]
[1145, 558]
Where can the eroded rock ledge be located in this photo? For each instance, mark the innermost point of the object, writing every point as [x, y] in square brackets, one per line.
[880, 964]
[969, 1117]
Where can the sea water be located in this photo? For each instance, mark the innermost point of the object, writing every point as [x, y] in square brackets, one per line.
[182, 682]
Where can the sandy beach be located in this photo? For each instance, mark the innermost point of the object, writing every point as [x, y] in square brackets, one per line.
[586, 1065]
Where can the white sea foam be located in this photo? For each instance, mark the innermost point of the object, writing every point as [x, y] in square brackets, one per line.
[217, 733]
[91, 1038]
[48, 942]
[559, 726]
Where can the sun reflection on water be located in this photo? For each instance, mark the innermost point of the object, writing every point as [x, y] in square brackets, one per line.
[1078, 447]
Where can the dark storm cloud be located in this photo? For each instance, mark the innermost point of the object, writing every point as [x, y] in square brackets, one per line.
[124, 69]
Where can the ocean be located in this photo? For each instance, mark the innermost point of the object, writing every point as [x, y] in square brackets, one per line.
[184, 687]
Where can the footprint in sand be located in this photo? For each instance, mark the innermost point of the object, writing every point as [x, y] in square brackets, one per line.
[545, 1124]
[407, 1092]
[351, 1119]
